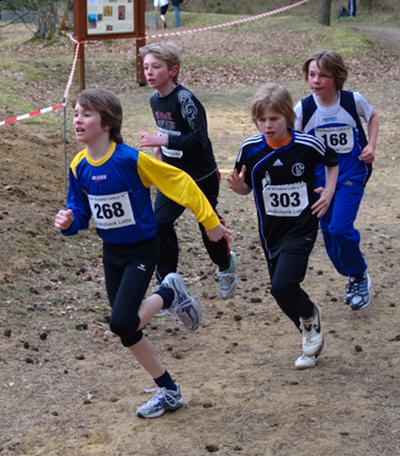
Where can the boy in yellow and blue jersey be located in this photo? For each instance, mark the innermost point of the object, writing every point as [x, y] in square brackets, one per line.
[110, 182]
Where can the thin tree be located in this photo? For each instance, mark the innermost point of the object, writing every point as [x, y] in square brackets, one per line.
[325, 12]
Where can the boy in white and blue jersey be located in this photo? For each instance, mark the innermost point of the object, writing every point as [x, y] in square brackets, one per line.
[278, 165]
[334, 115]
[110, 182]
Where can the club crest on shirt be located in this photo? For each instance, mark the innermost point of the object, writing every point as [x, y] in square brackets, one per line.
[267, 180]
[298, 169]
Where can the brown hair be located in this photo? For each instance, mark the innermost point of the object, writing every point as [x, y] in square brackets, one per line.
[278, 98]
[168, 52]
[330, 62]
[107, 105]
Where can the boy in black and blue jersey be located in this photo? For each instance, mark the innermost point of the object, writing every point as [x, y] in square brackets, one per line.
[278, 165]
[110, 182]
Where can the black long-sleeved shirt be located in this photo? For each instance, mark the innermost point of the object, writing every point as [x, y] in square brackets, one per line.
[182, 117]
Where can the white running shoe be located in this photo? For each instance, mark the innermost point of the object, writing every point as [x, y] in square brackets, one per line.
[163, 401]
[313, 337]
[361, 293]
[184, 307]
[161, 313]
[228, 279]
[305, 362]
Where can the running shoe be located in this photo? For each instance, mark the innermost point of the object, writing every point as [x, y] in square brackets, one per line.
[228, 279]
[163, 401]
[361, 293]
[313, 337]
[305, 362]
[349, 292]
[184, 307]
[161, 313]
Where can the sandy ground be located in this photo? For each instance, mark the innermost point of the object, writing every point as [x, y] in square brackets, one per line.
[68, 387]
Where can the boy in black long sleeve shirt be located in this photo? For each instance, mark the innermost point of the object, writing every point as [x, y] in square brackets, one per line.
[182, 140]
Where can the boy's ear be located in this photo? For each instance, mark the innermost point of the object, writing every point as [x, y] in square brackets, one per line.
[174, 70]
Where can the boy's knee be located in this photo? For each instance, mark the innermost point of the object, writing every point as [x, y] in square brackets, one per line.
[281, 291]
[125, 329]
[339, 231]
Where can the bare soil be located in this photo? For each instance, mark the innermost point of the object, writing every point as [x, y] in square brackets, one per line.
[69, 388]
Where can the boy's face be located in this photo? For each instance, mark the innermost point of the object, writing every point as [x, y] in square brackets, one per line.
[87, 125]
[321, 82]
[272, 125]
[157, 74]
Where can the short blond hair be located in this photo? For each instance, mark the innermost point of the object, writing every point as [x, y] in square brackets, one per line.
[276, 97]
[167, 51]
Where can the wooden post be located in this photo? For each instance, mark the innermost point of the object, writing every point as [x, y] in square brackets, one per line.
[80, 32]
[140, 42]
[81, 61]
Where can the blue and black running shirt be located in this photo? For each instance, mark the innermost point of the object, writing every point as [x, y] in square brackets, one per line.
[283, 183]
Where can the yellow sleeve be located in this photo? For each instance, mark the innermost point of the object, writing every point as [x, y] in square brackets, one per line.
[178, 186]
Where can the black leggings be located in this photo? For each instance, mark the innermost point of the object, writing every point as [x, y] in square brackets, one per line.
[287, 270]
[168, 211]
[128, 269]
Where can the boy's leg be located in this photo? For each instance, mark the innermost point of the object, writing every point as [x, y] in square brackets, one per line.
[287, 273]
[166, 212]
[128, 271]
[341, 239]
[219, 252]
[342, 242]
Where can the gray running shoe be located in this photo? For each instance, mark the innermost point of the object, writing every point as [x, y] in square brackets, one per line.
[349, 292]
[163, 401]
[228, 279]
[313, 337]
[184, 307]
[361, 293]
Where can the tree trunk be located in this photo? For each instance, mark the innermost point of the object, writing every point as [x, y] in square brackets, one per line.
[47, 21]
[325, 12]
[64, 22]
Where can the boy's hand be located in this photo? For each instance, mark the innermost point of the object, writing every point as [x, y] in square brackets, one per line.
[218, 233]
[320, 207]
[64, 219]
[236, 182]
[148, 139]
[368, 154]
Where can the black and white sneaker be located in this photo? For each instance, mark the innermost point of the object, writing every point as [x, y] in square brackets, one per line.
[361, 293]
[313, 337]
[305, 362]
[184, 307]
[163, 401]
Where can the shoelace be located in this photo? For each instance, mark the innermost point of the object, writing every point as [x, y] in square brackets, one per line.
[181, 307]
[161, 394]
[351, 286]
[226, 278]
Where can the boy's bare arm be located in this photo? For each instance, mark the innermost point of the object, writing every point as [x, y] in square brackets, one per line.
[369, 151]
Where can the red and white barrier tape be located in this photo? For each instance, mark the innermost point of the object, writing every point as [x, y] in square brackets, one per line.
[226, 24]
[39, 112]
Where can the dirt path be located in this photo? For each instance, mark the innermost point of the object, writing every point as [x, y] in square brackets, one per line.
[67, 387]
